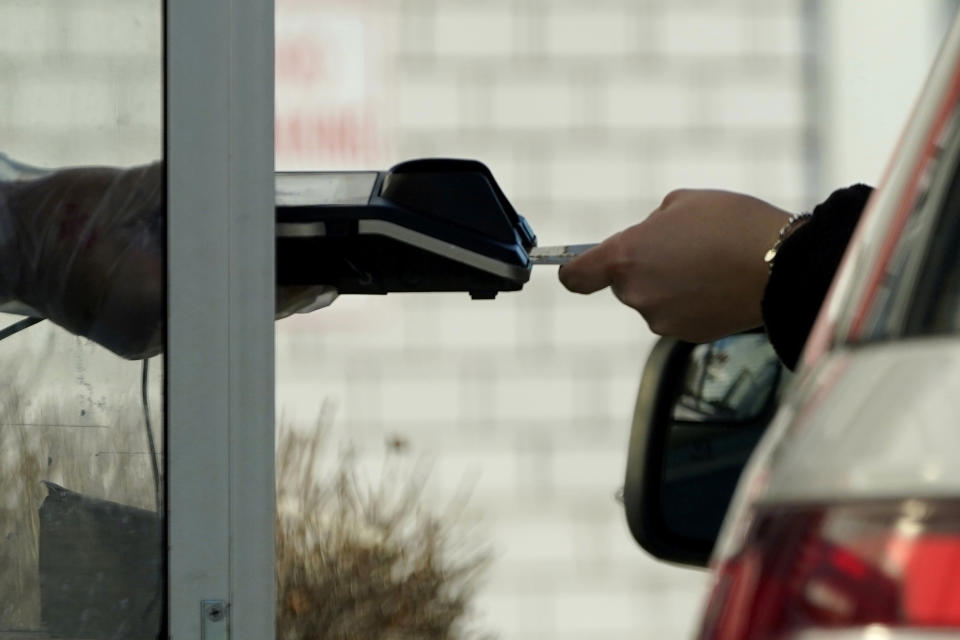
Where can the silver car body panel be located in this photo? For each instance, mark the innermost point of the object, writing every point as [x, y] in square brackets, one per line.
[880, 421]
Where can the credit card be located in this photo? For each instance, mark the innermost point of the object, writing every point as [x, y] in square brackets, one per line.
[559, 254]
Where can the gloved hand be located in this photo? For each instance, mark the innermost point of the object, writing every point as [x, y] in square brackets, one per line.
[83, 248]
[292, 300]
[86, 253]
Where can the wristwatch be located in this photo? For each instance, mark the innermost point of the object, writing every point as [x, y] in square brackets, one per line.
[795, 221]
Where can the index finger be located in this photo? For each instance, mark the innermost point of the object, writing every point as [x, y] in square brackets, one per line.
[590, 271]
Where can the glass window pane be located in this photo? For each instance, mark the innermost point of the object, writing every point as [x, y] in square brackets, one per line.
[81, 288]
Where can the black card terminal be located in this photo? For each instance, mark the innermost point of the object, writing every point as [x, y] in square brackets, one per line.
[424, 225]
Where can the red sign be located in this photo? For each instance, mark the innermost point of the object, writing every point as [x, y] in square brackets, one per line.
[327, 87]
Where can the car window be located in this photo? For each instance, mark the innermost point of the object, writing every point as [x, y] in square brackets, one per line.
[911, 293]
[935, 307]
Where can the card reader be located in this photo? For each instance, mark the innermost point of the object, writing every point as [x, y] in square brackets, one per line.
[424, 225]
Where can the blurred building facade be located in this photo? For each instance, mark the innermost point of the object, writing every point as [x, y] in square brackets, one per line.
[587, 114]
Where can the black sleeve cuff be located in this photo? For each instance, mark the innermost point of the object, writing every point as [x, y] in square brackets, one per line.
[804, 268]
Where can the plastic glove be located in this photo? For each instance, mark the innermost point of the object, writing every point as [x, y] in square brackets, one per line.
[292, 300]
[87, 253]
[83, 248]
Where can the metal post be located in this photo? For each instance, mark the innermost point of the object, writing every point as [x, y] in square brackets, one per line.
[220, 357]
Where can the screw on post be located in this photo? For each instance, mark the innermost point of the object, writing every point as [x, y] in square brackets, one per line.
[213, 620]
[214, 611]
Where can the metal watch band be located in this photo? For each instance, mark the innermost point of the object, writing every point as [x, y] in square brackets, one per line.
[793, 222]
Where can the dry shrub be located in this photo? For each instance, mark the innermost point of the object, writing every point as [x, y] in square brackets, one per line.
[352, 561]
[20, 495]
[358, 562]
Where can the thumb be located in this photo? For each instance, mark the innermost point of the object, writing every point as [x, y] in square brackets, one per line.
[590, 271]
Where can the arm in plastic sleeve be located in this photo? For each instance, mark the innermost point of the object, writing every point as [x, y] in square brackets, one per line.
[83, 247]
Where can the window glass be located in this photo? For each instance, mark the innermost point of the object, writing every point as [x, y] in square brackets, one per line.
[935, 306]
[81, 291]
[729, 380]
[914, 293]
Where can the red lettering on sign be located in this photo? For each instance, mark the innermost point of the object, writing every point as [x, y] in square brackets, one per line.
[344, 136]
[300, 60]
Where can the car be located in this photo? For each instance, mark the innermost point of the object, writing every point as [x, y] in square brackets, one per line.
[827, 503]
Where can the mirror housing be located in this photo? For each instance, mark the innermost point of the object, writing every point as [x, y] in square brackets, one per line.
[700, 411]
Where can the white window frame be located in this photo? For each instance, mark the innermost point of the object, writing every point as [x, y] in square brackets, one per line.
[220, 282]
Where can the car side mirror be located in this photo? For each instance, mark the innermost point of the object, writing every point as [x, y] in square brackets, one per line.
[701, 410]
